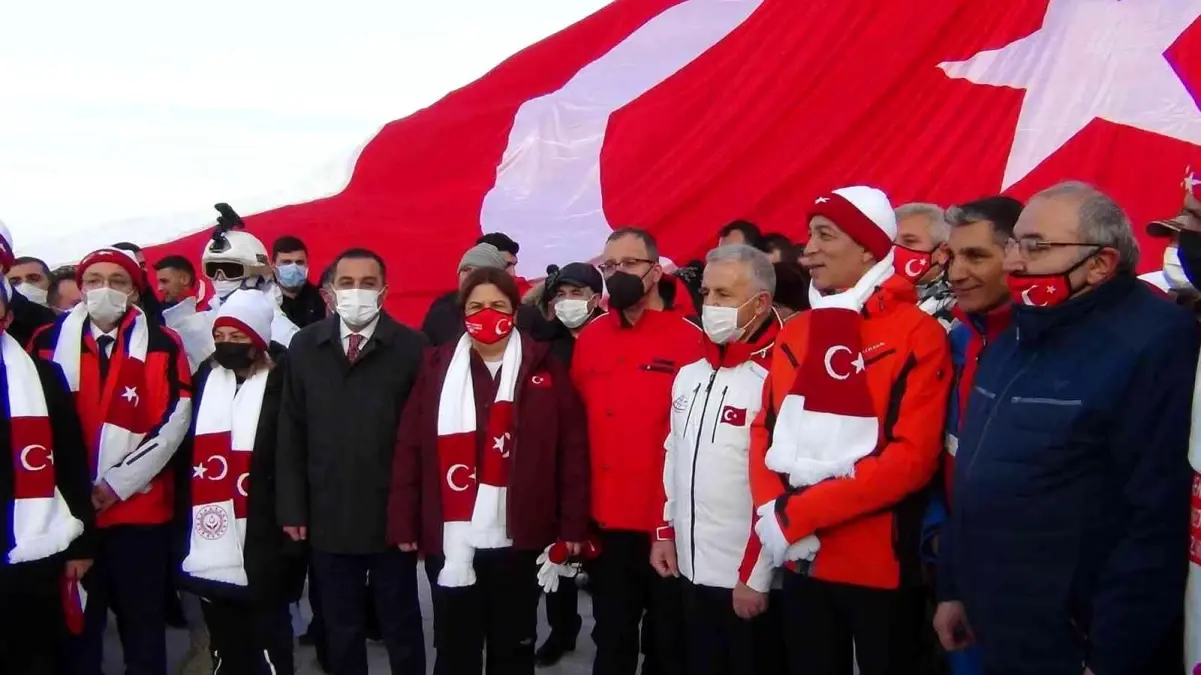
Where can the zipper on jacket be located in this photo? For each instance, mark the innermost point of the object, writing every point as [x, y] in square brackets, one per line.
[1000, 398]
[696, 453]
[721, 405]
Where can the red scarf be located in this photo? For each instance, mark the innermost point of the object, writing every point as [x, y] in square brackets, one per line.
[474, 494]
[42, 522]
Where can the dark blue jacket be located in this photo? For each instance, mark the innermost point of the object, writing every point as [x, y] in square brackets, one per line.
[1072, 484]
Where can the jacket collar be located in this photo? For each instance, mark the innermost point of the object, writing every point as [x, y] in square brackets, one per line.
[894, 292]
[988, 324]
[757, 348]
[1035, 324]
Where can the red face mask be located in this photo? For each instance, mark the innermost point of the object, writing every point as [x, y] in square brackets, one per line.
[489, 326]
[1039, 290]
[911, 264]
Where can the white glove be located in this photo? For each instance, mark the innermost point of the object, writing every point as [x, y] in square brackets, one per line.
[549, 571]
[770, 533]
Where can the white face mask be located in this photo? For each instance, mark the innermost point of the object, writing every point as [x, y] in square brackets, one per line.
[34, 294]
[572, 312]
[357, 306]
[106, 305]
[225, 287]
[721, 323]
[1173, 271]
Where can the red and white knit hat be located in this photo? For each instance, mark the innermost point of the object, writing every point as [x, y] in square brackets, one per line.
[125, 259]
[6, 247]
[250, 312]
[864, 213]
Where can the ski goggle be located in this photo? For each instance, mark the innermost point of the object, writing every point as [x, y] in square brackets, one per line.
[228, 270]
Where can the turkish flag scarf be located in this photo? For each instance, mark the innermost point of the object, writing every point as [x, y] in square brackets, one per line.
[126, 421]
[1192, 594]
[827, 421]
[475, 493]
[42, 523]
[226, 426]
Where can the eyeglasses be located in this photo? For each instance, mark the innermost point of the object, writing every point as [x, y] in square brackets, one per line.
[1033, 246]
[610, 266]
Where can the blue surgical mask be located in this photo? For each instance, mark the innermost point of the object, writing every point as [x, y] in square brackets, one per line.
[291, 275]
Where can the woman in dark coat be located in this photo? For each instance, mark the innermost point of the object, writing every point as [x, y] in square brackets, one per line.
[236, 556]
[491, 470]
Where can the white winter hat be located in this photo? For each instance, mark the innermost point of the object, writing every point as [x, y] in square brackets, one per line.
[7, 256]
[864, 213]
[249, 311]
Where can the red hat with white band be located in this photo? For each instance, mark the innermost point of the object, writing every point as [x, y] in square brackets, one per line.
[864, 213]
[116, 256]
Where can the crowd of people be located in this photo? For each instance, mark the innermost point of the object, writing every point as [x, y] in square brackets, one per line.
[926, 440]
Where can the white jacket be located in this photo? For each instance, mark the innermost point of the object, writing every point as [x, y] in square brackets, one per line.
[706, 473]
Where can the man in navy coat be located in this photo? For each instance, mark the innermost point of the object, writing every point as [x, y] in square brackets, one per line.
[1064, 551]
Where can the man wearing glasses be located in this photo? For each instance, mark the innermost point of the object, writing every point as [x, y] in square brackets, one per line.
[1071, 488]
[624, 365]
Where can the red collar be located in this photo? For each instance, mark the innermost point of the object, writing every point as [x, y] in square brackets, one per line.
[757, 349]
[987, 325]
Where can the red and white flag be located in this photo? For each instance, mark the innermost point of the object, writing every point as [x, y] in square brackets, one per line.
[682, 115]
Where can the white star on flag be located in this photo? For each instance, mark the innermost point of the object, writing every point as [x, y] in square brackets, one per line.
[822, 200]
[1092, 59]
[859, 363]
[198, 470]
[1190, 179]
[131, 395]
[498, 443]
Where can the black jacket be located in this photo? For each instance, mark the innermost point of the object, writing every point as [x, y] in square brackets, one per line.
[275, 565]
[337, 432]
[558, 336]
[443, 322]
[28, 316]
[71, 470]
[308, 307]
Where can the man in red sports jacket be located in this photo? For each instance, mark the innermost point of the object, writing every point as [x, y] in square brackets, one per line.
[132, 389]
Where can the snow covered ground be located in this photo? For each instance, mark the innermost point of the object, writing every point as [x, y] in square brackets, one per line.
[576, 663]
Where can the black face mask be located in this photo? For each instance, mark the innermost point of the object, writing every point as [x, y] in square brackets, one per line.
[1189, 250]
[625, 290]
[233, 355]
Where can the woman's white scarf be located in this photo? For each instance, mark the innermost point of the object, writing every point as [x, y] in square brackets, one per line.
[226, 426]
[474, 501]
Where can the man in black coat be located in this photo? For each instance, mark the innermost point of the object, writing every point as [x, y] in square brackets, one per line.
[349, 379]
[302, 301]
[31, 608]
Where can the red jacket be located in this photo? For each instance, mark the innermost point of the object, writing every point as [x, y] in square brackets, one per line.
[968, 339]
[624, 375]
[548, 477]
[169, 395]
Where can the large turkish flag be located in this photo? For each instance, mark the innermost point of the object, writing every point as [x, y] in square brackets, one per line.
[680, 116]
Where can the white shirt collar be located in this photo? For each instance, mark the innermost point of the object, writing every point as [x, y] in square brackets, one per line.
[97, 333]
[367, 331]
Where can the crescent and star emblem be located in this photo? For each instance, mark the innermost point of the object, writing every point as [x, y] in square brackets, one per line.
[1026, 297]
[46, 460]
[921, 267]
[821, 200]
[503, 326]
[728, 415]
[538, 379]
[201, 469]
[857, 362]
[450, 477]
[501, 443]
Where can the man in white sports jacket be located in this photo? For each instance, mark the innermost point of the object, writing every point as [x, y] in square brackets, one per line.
[726, 577]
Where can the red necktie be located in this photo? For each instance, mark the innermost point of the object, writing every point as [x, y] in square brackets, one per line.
[356, 343]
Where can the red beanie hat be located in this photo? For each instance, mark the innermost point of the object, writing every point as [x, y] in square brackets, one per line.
[864, 213]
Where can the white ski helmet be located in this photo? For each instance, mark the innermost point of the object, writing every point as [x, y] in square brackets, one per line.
[235, 257]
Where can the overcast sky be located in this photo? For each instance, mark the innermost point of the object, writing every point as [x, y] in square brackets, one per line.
[132, 108]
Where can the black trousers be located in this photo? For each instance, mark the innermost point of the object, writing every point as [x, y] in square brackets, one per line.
[829, 625]
[720, 642]
[248, 638]
[636, 610]
[31, 620]
[343, 589]
[128, 576]
[563, 612]
[498, 613]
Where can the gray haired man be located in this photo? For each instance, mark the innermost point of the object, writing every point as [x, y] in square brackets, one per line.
[921, 256]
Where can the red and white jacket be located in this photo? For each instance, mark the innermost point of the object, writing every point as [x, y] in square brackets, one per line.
[705, 473]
